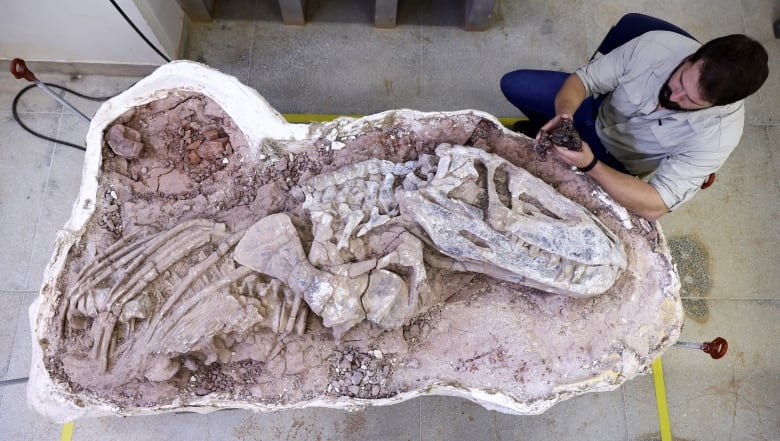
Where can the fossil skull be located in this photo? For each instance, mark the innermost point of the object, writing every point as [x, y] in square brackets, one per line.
[492, 217]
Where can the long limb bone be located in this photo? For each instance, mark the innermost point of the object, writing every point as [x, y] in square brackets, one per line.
[170, 247]
[200, 270]
[123, 260]
[136, 284]
[166, 257]
[113, 253]
[195, 231]
[272, 246]
[106, 265]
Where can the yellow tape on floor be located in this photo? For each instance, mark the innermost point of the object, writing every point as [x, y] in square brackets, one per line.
[660, 400]
[67, 431]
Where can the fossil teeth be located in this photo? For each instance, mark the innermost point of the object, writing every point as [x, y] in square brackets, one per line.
[566, 273]
[553, 262]
[579, 271]
[534, 251]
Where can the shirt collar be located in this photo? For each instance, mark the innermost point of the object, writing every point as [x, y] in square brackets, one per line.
[700, 119]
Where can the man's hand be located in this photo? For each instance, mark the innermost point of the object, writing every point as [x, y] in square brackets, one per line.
[580, 159]
[553, 124]
[628, 190]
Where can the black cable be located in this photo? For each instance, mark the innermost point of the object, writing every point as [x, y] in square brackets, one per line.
[138, 31]
[39, 135]
[23, 91]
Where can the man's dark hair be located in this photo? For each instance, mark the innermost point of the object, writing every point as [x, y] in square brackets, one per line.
[733, 67]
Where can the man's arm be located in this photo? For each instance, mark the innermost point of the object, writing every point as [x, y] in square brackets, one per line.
[569, 96]
[629, 191]
[568, 99]
[634, 194]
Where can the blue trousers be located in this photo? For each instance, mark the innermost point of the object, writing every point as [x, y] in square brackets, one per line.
[533, 92]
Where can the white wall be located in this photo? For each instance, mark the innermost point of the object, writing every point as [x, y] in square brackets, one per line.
[89, 31]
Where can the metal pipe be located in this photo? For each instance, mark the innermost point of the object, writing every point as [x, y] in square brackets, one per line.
[686, 344]
[716, 348]
[19, 70]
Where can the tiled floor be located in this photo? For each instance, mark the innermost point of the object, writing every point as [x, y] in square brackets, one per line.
[339, 63]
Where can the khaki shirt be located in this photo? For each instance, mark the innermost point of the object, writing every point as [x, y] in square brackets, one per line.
[676, 150]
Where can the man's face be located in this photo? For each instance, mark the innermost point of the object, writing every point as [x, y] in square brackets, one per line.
[681, 90]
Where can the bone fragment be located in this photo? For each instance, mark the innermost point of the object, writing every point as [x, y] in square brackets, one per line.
[125, 141]
[386, 299]
[272, 247]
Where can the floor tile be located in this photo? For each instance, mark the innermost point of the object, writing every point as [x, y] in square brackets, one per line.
[454, 418]
[24, 170]
[641, 408]
[189, 426]
[98, 88]
[295, 77]
[759, 17]
[9, 314]
[61, 193]
[745, 198]
[232, 55]
[590, 416]
[774, 146]
[704, 19]
[484, 57]
[397, 422]
[14, 364]
[737, 396]
[732, 398]
[34, 100]
[19, 422]
[21, 357]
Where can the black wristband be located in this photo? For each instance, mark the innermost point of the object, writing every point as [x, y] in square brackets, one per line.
[590, 166]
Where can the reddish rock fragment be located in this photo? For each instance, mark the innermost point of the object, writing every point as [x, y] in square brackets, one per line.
[212, 149]
[211, 134]
[193, 158]
[125, 141]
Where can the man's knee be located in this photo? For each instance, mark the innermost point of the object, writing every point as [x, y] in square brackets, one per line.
[532, 84]
[513, 81]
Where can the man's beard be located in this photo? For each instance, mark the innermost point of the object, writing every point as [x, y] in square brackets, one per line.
[666, 92]
[663, 98]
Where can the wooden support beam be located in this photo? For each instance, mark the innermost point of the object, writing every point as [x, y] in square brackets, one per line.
[478, 14]
[293, 12]
[385, 13]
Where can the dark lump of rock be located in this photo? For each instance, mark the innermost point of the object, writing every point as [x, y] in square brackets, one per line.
[565, 136]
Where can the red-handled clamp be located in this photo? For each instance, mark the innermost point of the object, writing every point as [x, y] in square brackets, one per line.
[716, 348]
[19, 70]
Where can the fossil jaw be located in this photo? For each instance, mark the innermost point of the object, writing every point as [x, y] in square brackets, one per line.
[552, 243]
